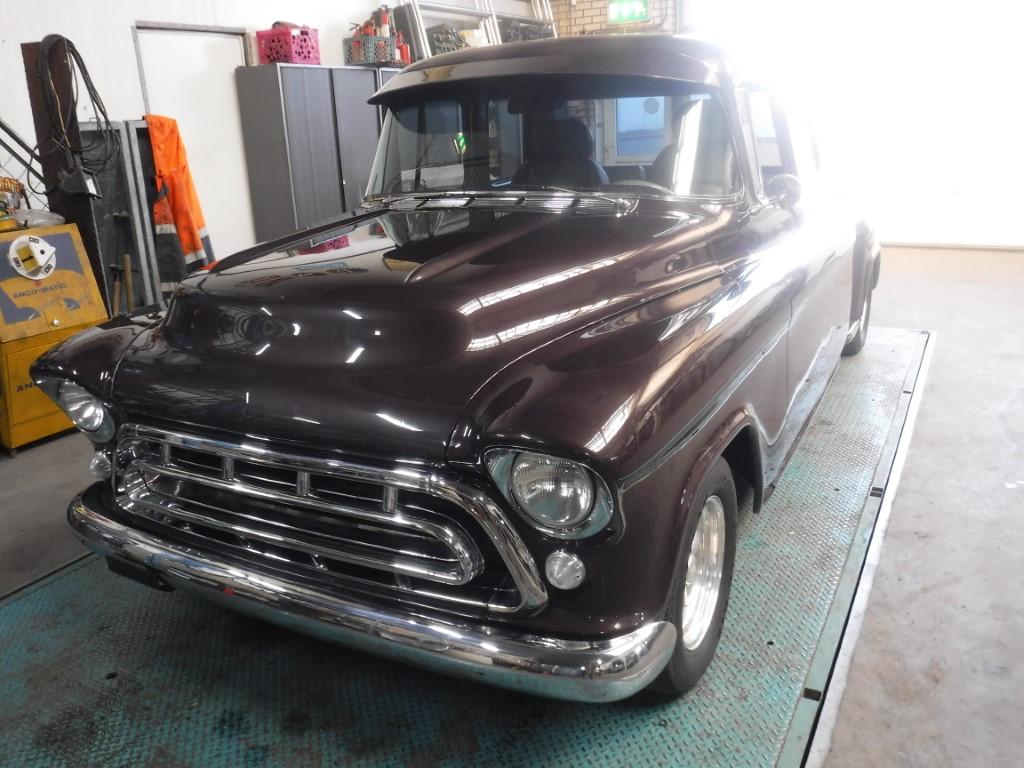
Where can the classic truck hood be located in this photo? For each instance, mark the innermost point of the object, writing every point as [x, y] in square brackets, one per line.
[377, 343]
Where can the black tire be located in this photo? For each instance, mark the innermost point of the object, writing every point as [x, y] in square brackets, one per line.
[856, 344]
[687, 666]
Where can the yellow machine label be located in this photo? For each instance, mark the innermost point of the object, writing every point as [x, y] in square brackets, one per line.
[67, 295]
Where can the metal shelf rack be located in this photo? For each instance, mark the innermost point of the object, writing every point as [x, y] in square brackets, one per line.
[489, 12]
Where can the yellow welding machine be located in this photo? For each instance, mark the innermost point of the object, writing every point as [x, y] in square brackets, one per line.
[47, 293]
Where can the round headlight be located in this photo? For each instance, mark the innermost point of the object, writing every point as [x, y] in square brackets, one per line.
[556, 493]
[84, 409]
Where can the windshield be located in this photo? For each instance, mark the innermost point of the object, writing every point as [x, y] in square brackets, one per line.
[635, 136]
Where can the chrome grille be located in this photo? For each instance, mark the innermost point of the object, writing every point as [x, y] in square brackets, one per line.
[401, 529]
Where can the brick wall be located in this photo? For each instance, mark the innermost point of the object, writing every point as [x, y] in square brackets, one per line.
[590, 17]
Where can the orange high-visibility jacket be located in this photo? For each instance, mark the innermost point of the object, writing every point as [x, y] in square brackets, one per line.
[182, 242]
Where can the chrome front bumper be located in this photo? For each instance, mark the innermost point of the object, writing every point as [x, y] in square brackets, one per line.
[608, 669]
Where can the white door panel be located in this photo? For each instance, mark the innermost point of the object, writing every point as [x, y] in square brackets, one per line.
[190, 76]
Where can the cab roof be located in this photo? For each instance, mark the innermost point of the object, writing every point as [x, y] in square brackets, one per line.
[671, 57]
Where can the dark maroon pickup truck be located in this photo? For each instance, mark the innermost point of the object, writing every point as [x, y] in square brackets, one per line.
[496, 423]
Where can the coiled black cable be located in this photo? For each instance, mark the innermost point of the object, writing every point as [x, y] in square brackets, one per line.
[92, 156]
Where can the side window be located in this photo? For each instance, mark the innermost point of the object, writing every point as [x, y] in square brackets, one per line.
[704, 163]
[764, 127]
[766, 134]
[805, 148]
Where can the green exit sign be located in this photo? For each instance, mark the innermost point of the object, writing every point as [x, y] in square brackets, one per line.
[627, 11]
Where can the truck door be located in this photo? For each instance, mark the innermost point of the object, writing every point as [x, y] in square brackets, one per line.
[803, 236]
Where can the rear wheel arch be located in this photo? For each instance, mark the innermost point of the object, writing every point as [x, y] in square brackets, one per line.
[862, 272]
[867, 262]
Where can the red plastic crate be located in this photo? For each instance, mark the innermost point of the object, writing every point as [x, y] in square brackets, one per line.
[291, 45]
[334, 244]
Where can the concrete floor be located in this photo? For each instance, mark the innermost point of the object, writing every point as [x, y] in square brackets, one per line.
[35, 488]
[936, 674]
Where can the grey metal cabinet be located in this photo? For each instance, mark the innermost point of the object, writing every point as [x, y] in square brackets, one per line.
[360, 127]
[309, 139]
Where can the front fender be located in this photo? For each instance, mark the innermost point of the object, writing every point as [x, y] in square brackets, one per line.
[603, 394]
[642, 398]
[90, 357]
[623, 394]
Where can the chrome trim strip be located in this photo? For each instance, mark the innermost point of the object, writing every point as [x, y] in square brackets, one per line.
[601, 670]
[390, 500]
[478, 505]
[301, 482]
[703, 417]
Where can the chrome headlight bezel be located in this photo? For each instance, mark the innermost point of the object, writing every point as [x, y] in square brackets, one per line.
[81, 406]
[499, 463]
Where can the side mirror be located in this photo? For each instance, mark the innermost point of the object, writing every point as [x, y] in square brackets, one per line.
[783, 190]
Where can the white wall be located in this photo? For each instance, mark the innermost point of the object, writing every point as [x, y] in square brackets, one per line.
[102, 31]
[201, 91]
[919, 100]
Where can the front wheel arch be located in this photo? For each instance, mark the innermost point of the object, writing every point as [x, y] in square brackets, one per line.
[738, 436]
[744, 459]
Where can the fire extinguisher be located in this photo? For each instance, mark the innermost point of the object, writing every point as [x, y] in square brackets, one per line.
[404, 50]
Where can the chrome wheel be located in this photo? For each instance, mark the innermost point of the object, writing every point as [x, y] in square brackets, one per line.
[704, 567]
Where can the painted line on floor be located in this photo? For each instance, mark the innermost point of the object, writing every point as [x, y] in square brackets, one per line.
[821, 741]
[25, 589]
